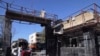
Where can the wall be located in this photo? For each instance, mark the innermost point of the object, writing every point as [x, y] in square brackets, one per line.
[78, 19]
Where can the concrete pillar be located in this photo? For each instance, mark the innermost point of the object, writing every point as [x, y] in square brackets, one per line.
[89, 43]
[51, 41]
[7, 31]
[58, 45]
[7, 36]
[97, 44]
[70, 39]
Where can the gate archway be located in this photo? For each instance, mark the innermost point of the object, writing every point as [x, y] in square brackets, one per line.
[20, 14]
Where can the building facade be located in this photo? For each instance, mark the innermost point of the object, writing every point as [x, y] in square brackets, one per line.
[81, 34]
[35, 38]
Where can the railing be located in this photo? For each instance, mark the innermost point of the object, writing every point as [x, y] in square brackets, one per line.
[91, 8]
[25, 10]
[88, 14]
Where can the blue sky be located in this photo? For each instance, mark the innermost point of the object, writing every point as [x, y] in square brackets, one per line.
[62, 8]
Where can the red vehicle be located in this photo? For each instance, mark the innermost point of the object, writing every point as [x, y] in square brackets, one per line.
[25, 53]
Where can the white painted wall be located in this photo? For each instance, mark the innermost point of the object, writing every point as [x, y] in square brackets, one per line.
[32, 38]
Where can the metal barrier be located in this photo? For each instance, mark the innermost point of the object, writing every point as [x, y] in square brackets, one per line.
[91, 8]
[89, 14]
[24, 10]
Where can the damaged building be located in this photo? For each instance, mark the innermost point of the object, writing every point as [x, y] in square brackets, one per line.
[81, 34]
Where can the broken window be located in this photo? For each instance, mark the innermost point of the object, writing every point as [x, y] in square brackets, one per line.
[74, 42]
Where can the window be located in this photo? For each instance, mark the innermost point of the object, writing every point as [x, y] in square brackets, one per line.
[38, 35]
[68, 21]
[74, 42]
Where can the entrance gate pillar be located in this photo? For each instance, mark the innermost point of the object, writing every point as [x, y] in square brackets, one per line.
[7, 36]
[50, 41]
[89, 43]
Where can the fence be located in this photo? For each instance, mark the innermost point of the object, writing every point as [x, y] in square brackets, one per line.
[24, 10]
